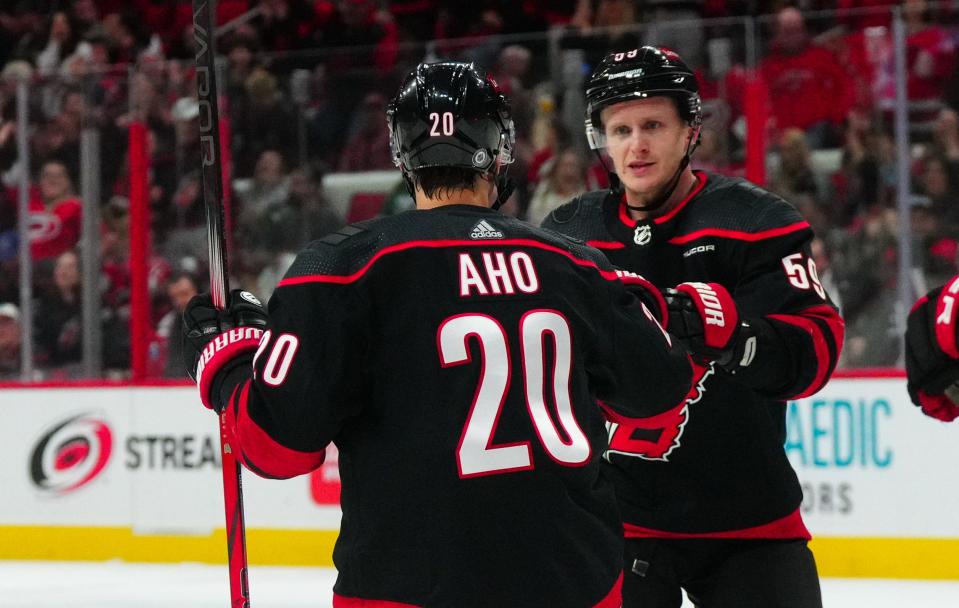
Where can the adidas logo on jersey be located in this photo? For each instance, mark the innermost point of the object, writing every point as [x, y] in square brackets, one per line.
[484, 230]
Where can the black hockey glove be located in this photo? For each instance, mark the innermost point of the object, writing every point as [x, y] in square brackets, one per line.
[703, 316]
[220, 344]
[932, 354]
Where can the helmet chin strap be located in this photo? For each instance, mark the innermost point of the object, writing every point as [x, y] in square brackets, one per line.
[504, 188]
[667, 192]
[410, 185]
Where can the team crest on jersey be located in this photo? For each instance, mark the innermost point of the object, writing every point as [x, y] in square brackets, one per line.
[643, 234]
[485, 230]
[656, 437]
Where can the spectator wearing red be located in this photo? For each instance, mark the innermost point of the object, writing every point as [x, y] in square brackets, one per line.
[808, 89]
[930, 53]
[55, 213]
[860, 14]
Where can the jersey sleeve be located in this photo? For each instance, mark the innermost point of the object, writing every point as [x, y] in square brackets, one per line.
[798, 329]
[307, 377]
[637, 371]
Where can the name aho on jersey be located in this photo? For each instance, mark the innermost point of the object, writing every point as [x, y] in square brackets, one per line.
[496, 273]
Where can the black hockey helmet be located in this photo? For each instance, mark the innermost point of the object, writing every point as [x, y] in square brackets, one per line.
[648, 71]
[448, 114]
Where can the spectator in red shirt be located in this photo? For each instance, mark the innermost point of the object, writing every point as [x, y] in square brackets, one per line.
[808, 89]
[55, 213]
[930, 55]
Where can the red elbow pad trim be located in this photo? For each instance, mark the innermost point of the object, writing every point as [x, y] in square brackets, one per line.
[939, 407]
[631, 278]
[260, 452]
[220, 351]
[343, 601]
[820, 350]
[946, 318]
[717, 309]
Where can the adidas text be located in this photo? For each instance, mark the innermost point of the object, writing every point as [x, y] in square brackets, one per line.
[484, 230]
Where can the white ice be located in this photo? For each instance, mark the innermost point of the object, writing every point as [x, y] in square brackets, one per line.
[124, 585]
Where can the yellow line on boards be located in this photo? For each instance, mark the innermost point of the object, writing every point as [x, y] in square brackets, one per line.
[266, 547]
[912, 558]
[909, 558]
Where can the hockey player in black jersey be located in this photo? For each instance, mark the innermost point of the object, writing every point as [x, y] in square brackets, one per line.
[708, 497]
[932, 352]
[464, 363]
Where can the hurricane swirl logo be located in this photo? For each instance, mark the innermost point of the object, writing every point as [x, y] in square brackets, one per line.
[71, 454]
[656, 437]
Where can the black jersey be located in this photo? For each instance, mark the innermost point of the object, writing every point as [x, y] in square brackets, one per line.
[456, 358]
[717, 467]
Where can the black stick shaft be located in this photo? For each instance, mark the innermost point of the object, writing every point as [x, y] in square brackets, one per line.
[204, 27]
[203, 24]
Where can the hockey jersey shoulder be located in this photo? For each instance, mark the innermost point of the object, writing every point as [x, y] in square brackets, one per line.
[570, 244]
[339, 253]
[581, 218]
[734, 204]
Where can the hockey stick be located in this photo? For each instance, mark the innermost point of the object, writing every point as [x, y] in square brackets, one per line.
[203, 28]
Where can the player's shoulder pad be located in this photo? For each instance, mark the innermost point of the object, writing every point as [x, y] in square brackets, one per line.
[580, 207]
[737, 204]
[571, 244]
[339, 253]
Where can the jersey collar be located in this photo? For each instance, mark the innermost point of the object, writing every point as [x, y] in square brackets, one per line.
[631, 223]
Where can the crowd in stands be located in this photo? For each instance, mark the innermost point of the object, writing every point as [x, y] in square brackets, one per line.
[304, 87]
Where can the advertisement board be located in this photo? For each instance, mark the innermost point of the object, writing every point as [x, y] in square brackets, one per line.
[133, 473]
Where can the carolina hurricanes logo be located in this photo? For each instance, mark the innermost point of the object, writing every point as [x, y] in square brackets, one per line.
[71, 454]
[656, 437]
[43, 226]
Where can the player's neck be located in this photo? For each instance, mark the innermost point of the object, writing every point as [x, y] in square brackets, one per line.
[687, 182]
[478, 196]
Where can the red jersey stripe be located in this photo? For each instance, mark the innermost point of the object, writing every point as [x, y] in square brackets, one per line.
[739, 235]
[606, 244]
[439, 244]
[613, 599]
[262, 451]
[791, 526]
[819, 346]
[342, 601]
[631, 223]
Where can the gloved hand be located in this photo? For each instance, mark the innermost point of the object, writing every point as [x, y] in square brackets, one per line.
[646, 292]
[220, 344]
[703, 316]
[932, 355]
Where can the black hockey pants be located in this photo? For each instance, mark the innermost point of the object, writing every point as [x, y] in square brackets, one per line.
[720, 573]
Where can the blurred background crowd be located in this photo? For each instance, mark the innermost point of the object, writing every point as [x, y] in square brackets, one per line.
[304, 85]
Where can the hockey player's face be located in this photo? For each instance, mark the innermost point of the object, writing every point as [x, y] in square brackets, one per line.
[646, 140]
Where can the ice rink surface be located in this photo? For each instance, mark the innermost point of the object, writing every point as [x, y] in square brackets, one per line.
[122, 585]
